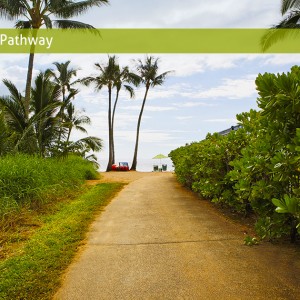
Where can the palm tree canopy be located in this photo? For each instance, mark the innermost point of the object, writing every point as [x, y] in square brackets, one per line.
[148, 72]
[290, 10]
[74, 120]
[13, 108]
[63, 75]
[107, 75]
[37, 12]
[44, 93]
[287, 5]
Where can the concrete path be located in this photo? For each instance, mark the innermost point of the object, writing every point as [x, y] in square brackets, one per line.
[157, 240]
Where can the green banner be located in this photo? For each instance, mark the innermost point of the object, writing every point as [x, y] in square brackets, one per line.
[146, 41]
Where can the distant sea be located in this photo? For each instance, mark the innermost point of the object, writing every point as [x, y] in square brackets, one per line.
[143, 165]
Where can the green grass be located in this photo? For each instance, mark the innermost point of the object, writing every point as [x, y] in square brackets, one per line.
[33, 181]
[35, 274]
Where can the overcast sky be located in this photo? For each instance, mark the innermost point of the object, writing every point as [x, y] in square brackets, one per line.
[204, 93]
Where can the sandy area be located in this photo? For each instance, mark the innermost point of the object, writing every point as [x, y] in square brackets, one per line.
[126, 177]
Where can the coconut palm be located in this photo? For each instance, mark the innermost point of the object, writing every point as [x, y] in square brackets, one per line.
[44, 103]
[148, 73]
[107, 76]
[73, 120]
[63, 78]
[81, 147]
[290, 10]
[123, 76]
[37, 14]
[17, 124]
[29, 135]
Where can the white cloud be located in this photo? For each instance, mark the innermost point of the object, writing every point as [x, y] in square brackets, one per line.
[187, 65]
[194, 104]
[231, 89]
[184, 118]
[149, 108]
[282, 59]
[185, 14]
[146, 136]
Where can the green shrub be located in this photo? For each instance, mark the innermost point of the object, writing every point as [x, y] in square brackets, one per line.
[256, 168]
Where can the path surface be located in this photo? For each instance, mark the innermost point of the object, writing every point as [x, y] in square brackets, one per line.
[156, 240]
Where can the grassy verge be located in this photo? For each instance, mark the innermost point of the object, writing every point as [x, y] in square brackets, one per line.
[35, 274]
[33, 181]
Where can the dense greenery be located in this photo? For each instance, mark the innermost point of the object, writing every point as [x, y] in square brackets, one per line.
[257, 166]
[52, 119]
[35, 273]
[33, 181]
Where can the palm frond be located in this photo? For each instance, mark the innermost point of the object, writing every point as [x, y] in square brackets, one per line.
[275, 35]
[69, 24]
[47, 21]
[15, 94]
[81, 129]
[23, 25]
[133, 78]
[94, 143]
[287, 5]
[71, 8]
[12, 9]
[130, 90]
[87, 80]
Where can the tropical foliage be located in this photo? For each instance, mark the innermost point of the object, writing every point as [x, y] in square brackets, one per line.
[290, 10]
[38, 14]
[51, 121]
[256, 168]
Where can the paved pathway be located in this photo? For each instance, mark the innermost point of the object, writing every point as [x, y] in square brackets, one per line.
[157, 240]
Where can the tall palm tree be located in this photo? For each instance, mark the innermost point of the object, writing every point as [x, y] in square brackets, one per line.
[44, 103]
[148, 73]
[290, 10]
[37, 14]
[123, 76]
[29, 135]
[107, 76]
[63, 78]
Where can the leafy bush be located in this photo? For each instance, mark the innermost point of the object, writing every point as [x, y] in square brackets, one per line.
[257, 166]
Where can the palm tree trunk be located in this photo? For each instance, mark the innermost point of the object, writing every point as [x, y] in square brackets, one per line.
[112, 127]
[28, 84]
[134, 161]
[109, 164]
[29, 77]
[60, 115]
[69, 134]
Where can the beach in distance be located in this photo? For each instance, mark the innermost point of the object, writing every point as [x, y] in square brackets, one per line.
[144, 165]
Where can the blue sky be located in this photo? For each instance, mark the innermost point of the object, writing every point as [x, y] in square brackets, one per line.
[204, 93]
